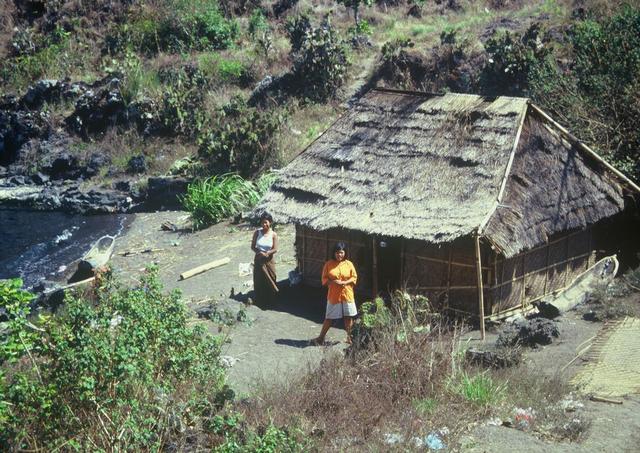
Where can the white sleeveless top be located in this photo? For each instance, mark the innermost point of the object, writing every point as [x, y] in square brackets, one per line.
[264, 243]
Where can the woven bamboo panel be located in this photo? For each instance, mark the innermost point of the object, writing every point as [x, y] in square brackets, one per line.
[579, 243]
[576, 267]
[512, 268]
[419, 272]
[556, 277]
[510, 296]
[463, 276]
[313, 273]
[464, 300]
[558, 252]
[535, 284]
[535, 260]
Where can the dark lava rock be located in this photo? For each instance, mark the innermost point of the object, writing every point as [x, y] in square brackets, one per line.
[529, 332]
[164, 191]
[96, 161]
[415, 11]
[40, 178]
[101, 108]
[360, 42]
[16, 128]
[60, 164]
[282, 6]
[496, 358]
[137, 164]
[52, 91]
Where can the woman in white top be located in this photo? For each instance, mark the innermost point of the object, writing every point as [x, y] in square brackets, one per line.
[264, 244]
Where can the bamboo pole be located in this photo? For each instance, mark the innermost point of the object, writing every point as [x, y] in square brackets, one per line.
[480, 288]
[205, 267]
[374, 277]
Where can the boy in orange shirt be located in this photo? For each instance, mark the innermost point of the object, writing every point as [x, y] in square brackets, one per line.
[340, 277]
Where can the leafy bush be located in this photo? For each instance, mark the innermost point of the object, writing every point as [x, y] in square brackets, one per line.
[243, 140]
[120, 369]
[260, 32]
[213, 199]
[224, 71]
[57, 57]
[298, 29]
[176, 26]
[321, 63]
[182, 103]
[515, 61]
[355, 7]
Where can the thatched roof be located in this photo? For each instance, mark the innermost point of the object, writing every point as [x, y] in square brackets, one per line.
[427, 167]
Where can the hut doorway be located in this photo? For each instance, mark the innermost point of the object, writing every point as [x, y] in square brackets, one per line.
[388, 270]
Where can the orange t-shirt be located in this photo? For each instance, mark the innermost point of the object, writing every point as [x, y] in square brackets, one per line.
[339, 270]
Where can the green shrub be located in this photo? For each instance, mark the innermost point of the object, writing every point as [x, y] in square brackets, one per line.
[218, 197]
[182, 109]
[298, 29]
[120, 369]
[242, 140]
[321, 63]
[58, 57]
[514, 61]
[177, 26]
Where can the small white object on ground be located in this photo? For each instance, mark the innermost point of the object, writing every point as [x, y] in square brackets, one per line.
[245, 269]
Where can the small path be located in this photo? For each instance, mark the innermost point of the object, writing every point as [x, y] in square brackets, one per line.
[272, 345]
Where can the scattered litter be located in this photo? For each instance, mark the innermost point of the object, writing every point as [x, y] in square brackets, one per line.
[568, 404]
[434, 442]
[169, 226]
[295, 278]
[62, 269]
[248, 283]
[393, 438]
[523, 418]
[115, 321]
[175, 243]
[227, 361]
[139, 251]
[245, 269]
[495, 421]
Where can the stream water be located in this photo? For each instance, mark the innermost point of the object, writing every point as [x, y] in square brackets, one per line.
[36, 245]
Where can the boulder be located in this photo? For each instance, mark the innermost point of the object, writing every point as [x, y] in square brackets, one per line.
[137, 164]
[529, 332]
[164, 191]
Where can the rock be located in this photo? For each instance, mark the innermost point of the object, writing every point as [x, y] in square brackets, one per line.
[164, 191]
[137, 164]
[496, 358]
[40, 178]
[529, 332]
[122, 186]
[61, 165]
[415, 11]
[42, 91]
[16, 129]
[96, 161]
[361, 42]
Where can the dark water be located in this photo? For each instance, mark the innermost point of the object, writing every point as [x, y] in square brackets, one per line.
[36, 245]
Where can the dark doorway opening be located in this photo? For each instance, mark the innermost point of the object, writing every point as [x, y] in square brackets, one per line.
[389, 264]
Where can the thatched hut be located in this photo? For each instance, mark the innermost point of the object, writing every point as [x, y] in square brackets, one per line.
[461, 197]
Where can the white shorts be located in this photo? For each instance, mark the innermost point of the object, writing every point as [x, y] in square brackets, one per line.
[337, 311]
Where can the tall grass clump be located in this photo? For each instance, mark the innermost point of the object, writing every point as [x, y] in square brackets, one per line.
[119, 369]
[480, 389]
[213, 199]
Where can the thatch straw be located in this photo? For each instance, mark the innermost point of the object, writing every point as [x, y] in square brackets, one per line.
[430, 167]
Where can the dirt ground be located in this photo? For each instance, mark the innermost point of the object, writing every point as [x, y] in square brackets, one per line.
[271, 345]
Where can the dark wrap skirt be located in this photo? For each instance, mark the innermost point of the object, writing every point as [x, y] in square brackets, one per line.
[264, 279]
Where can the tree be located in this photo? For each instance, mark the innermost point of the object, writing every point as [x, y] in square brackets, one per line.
[355, 6]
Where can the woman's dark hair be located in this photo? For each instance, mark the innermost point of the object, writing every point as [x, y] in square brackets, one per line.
[266, 216]
[339, 246]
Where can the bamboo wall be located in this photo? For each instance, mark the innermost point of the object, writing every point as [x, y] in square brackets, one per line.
[447, 273]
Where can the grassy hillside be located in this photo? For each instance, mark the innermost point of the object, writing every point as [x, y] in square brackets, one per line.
[195, 66]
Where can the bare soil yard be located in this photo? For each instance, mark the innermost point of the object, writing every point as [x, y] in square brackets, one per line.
[270, 344]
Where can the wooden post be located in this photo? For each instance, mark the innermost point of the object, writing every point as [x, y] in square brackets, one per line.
[374, 276]
[402, 281]
[480, 287]
[449, 274]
